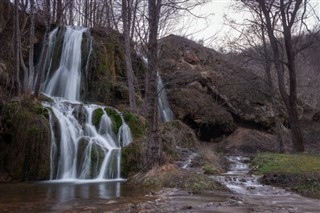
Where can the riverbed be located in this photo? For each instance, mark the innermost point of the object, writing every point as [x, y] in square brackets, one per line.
[246, 195]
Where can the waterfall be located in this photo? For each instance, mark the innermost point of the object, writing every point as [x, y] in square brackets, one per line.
[65, 81]
[165, 111]
[86, 144]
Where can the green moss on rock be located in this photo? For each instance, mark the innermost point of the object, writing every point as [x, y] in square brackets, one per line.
[25, 147]
[132, 158]
[96, 116]
[172, 177]
[115, 119]
[136, 125]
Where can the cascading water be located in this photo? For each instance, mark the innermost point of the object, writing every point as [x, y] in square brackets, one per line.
[165, 111]
[85, 142]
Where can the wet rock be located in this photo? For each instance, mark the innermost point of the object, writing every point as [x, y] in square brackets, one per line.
[80, 114]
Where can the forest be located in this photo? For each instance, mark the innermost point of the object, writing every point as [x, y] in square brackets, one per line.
[110, 105]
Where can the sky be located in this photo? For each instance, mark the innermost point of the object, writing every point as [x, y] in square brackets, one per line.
[213, 29]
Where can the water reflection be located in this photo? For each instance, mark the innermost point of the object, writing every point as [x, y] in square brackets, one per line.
[55, 196]
[62, 192]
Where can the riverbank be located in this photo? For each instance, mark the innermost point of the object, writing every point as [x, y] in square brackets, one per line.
[298, 172]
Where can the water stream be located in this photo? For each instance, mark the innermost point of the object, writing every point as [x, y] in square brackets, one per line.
[165, 111]
[267, 198]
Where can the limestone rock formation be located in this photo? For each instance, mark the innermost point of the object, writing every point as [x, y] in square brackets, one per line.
[208, 93]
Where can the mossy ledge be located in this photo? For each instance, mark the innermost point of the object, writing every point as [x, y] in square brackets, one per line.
[299, 172]
[135, 123]
[115, 119]
[170, 176]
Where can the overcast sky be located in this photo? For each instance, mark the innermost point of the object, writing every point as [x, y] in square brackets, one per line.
[213, 29]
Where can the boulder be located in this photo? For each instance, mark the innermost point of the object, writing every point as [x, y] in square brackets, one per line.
[248, 142]
[200, 112]
[220, 85]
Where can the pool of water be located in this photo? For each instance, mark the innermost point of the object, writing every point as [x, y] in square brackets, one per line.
[67, 196]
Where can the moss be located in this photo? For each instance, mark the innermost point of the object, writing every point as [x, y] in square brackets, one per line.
[25, 155]
[115, 119]
[96, 116]
[136, 126]
[173, 177]
[300, 172]
[97, 156]
[132, 158]
[32, 131]
[209, 169]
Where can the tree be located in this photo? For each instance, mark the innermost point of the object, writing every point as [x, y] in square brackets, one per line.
[255, 52]
[281, 16]
[31, 50]
[43, 56]
[126, 11]
[153, 158]
[16, 78]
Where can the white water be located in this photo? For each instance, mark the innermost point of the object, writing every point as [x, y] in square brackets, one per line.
[65, 81]
[81, 149]
[165, 111]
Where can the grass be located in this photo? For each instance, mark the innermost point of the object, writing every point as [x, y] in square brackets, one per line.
[300, 172]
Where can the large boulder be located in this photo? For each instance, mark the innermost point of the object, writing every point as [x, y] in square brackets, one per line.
[248, 142]
[197, 77]
[199, 111]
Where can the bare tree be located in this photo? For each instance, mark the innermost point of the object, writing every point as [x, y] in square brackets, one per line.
[16, 79]
[44, 53]
[126, 15]
[153, 155]
[281, 16]
[31, 50]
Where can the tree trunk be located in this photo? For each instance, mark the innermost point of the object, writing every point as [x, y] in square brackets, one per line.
[31, 50]
[153, 155]
[132, 98]
[43, 57]
[59, 12]
[16, 79]
[289, 100]
[272, 89]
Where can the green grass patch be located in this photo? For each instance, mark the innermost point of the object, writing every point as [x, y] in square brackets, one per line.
[300, 172]
[286, 163]
[209, 169]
